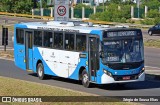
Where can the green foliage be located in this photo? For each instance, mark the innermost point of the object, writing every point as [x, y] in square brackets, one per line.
[23, 7]
[116, 1]
[17, 6]
[153, 13]
[157, 20]
[113, 14]
[148, 21]
[153, 17]
[7, 5]
[152, 4]
[44, 4]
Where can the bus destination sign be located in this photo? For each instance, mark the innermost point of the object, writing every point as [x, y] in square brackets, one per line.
[119, 34]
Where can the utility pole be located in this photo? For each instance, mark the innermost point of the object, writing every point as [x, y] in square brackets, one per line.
[138, 3]
[40, 3]
[103, 5]
[41, 6]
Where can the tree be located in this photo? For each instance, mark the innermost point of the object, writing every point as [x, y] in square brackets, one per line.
[17, 6]
[44, 4]
[23, 6]
[7, 5]
[116, 1]
[152, 4]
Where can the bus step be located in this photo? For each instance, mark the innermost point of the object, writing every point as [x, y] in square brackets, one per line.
[29, 70]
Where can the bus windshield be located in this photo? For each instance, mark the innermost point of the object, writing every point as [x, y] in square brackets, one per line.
[123, 51]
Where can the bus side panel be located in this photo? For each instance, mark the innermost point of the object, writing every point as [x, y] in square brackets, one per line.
[19, 54]
[36, 57]
[58, 62]
[82, 63]
[19, 50]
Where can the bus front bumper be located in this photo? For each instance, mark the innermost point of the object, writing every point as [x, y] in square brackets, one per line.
[105, 79]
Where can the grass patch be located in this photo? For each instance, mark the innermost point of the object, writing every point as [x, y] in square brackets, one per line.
[7, 54]
[152, 43]
[14, 87]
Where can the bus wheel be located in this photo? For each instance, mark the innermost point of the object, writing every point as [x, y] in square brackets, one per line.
[85, 79]
[40, 71]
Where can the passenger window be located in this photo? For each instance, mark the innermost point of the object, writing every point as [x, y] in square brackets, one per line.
[81, 43]
[20, 36]
[38, 38]
[69, 41]
[58, 40]
[47, 42]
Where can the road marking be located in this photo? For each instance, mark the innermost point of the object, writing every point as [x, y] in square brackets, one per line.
[152, 47]
[153, 67]
[6, 59]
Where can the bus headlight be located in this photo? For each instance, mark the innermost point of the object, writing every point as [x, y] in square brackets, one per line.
[143, 69]
[107, 72]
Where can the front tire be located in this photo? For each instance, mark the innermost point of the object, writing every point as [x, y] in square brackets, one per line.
[150, 33]
[85, 79]
[40, 71]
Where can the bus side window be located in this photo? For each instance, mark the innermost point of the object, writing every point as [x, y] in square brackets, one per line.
[69, 41]
[38, 38]
[58, 40]
[20, 36]
[47, 40]
[81, 43]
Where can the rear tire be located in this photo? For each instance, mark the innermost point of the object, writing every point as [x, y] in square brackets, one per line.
[150, 33]
[40, 71]
[85, 79]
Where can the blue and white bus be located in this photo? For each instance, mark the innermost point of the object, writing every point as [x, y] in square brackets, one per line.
[91, 54]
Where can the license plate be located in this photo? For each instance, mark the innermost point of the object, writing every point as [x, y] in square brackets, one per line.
[126, 78]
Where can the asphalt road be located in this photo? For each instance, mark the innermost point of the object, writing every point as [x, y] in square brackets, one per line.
[13, 19]
[152, 57]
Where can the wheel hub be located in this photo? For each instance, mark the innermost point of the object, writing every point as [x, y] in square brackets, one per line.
[85, 78]
[40, 72]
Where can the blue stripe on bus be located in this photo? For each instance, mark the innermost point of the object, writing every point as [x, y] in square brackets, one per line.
[37, 55]
[82, 63]
[97, 33]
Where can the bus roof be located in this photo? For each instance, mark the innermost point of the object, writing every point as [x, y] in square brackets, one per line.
[67, 26]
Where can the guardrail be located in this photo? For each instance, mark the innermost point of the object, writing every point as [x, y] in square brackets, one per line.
[26, 15]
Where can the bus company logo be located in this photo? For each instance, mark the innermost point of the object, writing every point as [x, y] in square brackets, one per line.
[6, 99]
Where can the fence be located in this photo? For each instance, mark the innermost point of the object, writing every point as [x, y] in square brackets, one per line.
[86, 12]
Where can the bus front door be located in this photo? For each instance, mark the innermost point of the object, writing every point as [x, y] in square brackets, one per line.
[93, 48]
[28, 49]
